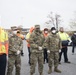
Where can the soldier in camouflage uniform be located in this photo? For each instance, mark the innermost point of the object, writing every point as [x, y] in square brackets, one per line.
[53, 45]
[36, 41]
[14, 56]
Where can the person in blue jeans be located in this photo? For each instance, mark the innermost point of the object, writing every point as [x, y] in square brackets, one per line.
[73, 38]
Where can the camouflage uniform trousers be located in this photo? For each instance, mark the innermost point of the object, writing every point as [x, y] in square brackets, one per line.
[34, 58]
[53, 57]
[14, 60]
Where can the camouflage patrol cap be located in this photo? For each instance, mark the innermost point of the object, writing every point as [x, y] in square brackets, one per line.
[13, 28]
[37, 26]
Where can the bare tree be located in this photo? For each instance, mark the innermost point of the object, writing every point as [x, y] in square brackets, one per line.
[54, 19]
[73, 21]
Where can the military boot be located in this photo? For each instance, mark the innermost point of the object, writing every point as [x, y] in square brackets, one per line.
[50, 70]
[57, 70]
[41, 73]
[31, 73]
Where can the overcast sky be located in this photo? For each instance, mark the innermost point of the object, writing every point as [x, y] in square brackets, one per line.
[31, 12]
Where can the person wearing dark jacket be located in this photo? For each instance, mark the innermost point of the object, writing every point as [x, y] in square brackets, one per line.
[45, 33]
[73, 38]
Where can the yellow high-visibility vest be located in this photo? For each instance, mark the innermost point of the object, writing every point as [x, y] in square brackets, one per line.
[2, 41]
[6, 42]
[63, 36]
[28, 36]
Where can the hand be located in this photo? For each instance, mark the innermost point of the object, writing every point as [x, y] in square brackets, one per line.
[18, 52]
[59, 50]
[40, 48]
[48, 51]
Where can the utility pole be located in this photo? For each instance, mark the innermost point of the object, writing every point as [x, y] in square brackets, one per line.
[57, 21]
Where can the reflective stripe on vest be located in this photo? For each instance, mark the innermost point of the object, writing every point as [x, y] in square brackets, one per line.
[6, 42]
[2, 42]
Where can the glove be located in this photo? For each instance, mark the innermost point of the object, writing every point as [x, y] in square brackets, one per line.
[69, 43]
[59, 50]
[48, 51]
[40, 48]
[18, 52]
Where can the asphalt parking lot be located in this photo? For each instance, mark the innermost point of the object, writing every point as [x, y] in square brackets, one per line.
[67, 69]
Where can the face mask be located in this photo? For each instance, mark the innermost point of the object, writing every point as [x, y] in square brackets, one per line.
[53, 31]
[14, 32]
[45, 31]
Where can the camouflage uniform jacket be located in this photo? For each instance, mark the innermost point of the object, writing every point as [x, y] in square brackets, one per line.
[36, 39]
[53, 42]
[15, 44]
